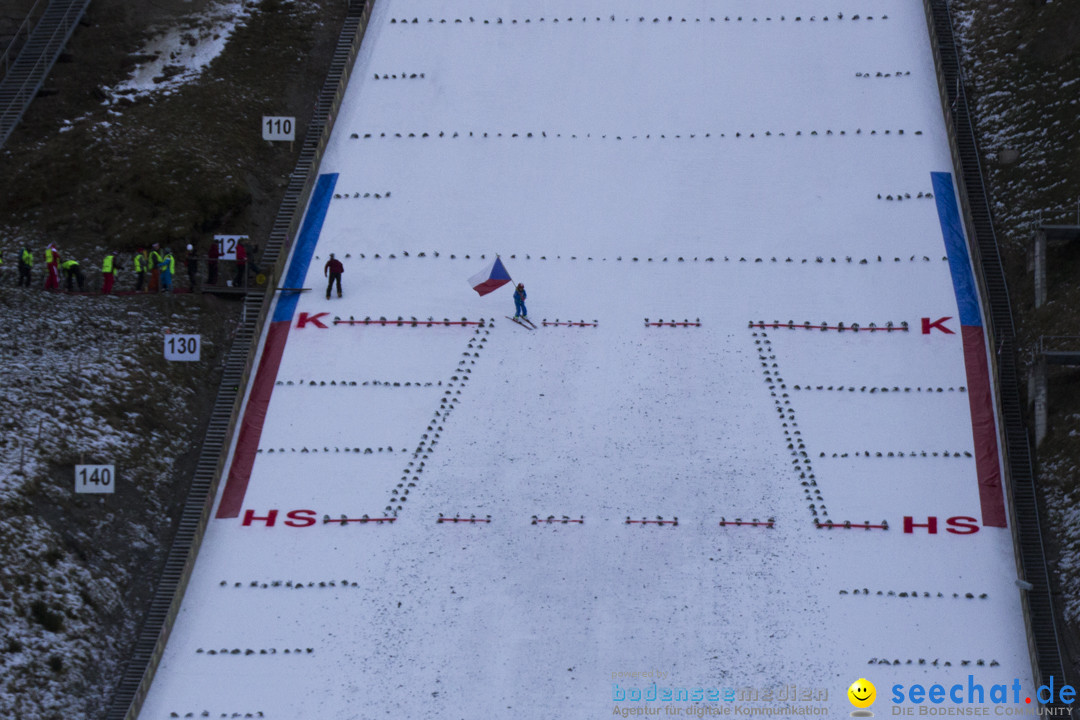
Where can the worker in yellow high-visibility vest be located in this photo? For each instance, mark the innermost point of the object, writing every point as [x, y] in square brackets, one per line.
[142, 261]
[52, 263]
[108, 273]
[26, 262]
[74, 274]
[168, 270]
[155, 268]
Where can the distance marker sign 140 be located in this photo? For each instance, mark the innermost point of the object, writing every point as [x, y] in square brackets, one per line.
[95, 479]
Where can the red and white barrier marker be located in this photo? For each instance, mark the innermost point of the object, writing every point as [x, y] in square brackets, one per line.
[739, 522]
[840, 327]
[411, 322]
[345, 520]
[658, 521]
[552, 520]
[568, 323]
[673, 323]
[458, 519]
[848, 525]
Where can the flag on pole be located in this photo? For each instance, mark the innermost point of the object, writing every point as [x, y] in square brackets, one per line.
[492, 277]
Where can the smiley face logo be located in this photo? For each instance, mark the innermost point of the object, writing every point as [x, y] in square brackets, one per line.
[862, 693]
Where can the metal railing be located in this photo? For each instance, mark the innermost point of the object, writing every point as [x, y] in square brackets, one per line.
[1036, 598]
[133, 687]
[1059, 344]
[23, 80]
[21, 33]
[1046, 214]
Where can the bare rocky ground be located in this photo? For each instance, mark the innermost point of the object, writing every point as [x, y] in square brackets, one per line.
[84, 379]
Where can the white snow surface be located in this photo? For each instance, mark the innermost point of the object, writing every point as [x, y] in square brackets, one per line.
[179, 53]
[634, 198]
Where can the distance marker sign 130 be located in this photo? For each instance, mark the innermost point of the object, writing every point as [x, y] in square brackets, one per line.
[183, 348]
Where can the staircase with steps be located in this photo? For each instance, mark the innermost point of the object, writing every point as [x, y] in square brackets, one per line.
[26, 74]
[139, 672]
[1043, 635]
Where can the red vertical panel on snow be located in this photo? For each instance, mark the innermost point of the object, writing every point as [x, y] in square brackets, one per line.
[232, 499]
[983, 427]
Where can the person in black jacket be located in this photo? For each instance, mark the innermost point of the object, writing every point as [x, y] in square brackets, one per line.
[333, 270]
[26, 262]
[74, 274]
[191, 264]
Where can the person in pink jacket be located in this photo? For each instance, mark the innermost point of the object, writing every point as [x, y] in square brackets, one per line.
[52, 272]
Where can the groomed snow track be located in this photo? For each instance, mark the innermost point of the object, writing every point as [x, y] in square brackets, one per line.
[139, 672]
[1042, 637]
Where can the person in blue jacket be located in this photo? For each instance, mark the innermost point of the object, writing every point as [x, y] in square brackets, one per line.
[519, 301]
[168, 269]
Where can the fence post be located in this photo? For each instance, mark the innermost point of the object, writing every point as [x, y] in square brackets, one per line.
[1040, 267]
[1040, 399]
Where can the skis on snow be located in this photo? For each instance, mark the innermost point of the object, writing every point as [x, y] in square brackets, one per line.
[523, 322]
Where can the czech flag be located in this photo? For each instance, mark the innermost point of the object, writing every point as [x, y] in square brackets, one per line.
[492, 277]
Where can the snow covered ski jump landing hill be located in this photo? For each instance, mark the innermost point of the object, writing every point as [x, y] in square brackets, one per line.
[745, 211]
